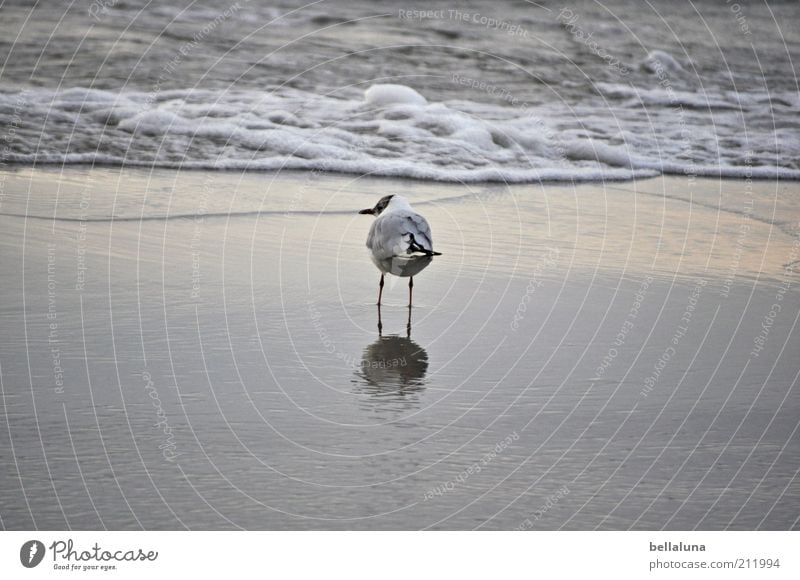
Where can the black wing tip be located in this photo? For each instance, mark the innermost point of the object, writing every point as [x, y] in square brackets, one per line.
[424, 252]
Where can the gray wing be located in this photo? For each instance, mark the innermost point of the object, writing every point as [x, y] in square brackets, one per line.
[399, 233]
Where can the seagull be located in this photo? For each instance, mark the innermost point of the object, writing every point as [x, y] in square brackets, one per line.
[399, 240]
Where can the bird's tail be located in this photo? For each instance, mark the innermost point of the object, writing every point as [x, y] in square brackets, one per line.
[420, 250]
[415, 247]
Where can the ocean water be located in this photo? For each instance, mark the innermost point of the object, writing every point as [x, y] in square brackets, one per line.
[468, 92]
[199, 349]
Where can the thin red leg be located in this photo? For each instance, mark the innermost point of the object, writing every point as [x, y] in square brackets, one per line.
[380, 291]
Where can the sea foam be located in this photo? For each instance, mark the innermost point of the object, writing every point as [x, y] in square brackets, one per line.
[392, 130]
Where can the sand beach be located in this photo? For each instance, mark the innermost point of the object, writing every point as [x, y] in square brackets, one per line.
[618, 355]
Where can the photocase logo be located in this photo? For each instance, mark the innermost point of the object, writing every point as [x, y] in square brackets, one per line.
[31, 553]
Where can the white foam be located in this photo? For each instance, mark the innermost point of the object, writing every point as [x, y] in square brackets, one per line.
[668, 96]
[383, 95]
[625, 132]
[154, 122]
[658, 61]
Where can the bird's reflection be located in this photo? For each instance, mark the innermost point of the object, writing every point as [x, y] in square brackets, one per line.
[393, 371]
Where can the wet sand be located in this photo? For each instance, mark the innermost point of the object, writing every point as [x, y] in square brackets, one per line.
[599, 356]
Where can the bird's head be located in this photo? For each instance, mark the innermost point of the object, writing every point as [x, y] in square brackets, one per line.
[379, 207]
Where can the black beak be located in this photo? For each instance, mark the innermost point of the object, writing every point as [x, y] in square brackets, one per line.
[369, 211]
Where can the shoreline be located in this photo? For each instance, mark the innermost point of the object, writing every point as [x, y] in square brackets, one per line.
[758, 174]
[758, 219]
